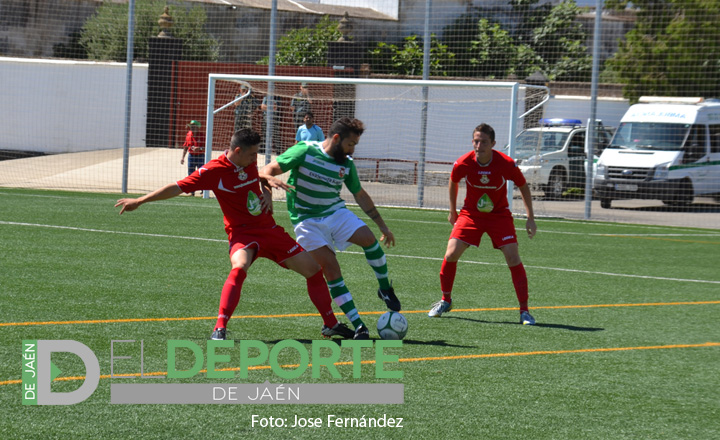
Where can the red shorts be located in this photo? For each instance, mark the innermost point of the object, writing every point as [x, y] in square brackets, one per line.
[272, 243]
[500, 228]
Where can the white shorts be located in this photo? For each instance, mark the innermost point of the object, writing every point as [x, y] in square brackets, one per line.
[332, 231]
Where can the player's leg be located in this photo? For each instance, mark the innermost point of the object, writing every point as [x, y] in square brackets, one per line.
[241, 258]
[502, 233]
[304, 264]
[375, 257]
[315, 236]
[448, 270]
[338, 290]
[519, 280]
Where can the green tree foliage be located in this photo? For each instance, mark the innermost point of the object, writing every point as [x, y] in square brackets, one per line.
[306, 46]
[492, 53]
[674, 50]
[104, 35]
[542, 37]
[408, 58]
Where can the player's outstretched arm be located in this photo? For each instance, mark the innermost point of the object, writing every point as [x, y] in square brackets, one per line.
[530, 225]
[166, 192]
[368, 206]
[268, 173]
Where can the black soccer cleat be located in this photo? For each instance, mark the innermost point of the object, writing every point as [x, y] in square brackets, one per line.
[218, 334]
[340, 329]
[362, 333]
[391, 301]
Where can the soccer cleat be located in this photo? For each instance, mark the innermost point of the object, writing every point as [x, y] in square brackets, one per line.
[391, 301]
[439, 308]
[362, 332]
[218, 334]
[526, 318]
[340, 329]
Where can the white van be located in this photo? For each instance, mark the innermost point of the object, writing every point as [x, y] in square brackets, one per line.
[665, 149]
[552, 156]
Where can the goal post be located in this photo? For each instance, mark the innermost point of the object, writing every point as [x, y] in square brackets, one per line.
[414, 129]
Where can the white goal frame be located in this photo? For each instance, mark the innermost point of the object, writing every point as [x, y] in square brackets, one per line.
[514, 89]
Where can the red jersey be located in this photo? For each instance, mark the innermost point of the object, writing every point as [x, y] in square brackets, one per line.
[237, 190]
[195, 143]
[486, 184]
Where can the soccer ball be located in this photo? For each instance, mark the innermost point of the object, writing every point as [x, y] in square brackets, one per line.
[392, 325]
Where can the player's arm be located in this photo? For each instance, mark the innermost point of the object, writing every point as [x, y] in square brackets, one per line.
[166, 192]
[452, 194]
[530, 225]
[268, 173]
[368, 206]
[266, 196]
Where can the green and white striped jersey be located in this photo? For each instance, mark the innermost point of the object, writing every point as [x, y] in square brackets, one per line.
[317, 179]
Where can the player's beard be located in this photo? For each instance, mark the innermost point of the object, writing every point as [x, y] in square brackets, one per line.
[338, 154]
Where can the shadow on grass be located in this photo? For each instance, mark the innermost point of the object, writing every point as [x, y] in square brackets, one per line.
[544, 325]
[438, 343]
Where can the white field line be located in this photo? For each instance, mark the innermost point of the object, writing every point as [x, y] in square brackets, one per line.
[143, 234]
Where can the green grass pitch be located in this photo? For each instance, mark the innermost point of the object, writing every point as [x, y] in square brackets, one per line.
[627, 344]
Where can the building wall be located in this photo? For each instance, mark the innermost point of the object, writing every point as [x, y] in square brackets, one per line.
[56, 106]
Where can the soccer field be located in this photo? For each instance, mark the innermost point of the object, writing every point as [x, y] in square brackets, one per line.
[626, 346]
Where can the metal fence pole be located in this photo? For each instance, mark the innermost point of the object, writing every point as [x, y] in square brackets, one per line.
[128, 95]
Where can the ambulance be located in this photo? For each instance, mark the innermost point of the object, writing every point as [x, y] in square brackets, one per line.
[665, 149]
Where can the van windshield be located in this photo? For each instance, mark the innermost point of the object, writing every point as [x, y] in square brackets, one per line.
[650, 136]
[530, 143]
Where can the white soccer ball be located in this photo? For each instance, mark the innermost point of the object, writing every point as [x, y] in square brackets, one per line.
[392, 325]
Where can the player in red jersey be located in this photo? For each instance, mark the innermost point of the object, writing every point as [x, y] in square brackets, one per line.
[251, 228]
[486, 172]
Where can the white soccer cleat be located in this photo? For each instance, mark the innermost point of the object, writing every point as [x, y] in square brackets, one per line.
[439, 308]
[526, 318]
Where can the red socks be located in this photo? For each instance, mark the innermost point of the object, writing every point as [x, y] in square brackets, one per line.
[230, 296]
[447, 279]
[320, 296]
[519, 279]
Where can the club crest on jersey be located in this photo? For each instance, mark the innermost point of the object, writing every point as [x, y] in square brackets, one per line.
[484, 179]
[242, 175]
[253, 203]
[341, 173]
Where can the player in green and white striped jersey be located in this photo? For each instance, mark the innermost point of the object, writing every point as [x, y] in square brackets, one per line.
[322, 222]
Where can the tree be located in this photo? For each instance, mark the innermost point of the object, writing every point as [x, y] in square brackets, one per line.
[674, 49]
[539, 37]
[408, 59]
[492, 53]
[306, 46]
[104, 35]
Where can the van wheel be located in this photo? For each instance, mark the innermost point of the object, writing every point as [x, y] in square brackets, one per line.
[556, 186]
[605, 203]
[684, 195]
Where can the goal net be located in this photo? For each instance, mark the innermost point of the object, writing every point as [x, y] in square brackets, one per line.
[414, 130]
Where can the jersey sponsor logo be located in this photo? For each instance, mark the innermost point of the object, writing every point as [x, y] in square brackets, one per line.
[326, 179]
[508, 237]
[253, 204]
[485, 204]
[292, 249]
[245, 184]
